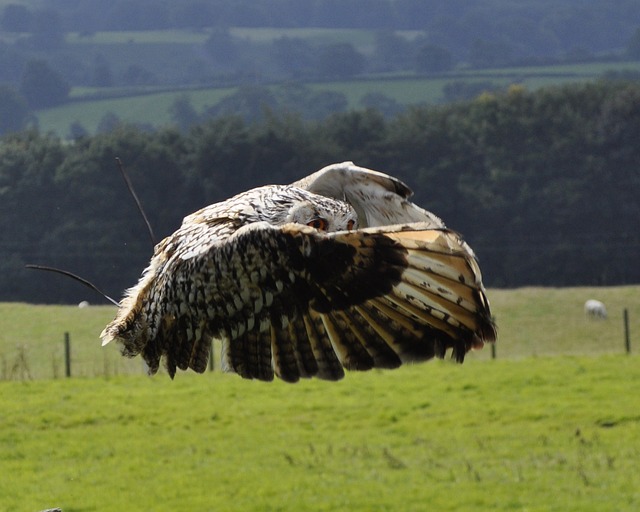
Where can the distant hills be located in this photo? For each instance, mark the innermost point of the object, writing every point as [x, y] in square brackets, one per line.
[57, 51]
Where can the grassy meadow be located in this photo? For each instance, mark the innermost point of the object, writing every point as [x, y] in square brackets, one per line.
[551, 425]
[147, 107]
[532, 322]
[542, 434]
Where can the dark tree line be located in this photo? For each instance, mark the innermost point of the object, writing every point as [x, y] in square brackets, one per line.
[544, 185]
[537, 26]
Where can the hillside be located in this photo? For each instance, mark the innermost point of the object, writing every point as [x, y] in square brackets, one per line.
[158, 109]
[54, 53]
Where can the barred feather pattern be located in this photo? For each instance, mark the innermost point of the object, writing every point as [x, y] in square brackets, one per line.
[291, 301]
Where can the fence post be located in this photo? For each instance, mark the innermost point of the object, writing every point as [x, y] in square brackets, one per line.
[211, 361]
[493, 351]
[67, 354]
[627, 339]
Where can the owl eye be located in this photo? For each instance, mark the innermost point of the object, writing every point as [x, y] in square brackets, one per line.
[318, 223]
[350, 224]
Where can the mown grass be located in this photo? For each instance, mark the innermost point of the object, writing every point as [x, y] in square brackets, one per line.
[541, 434]
[526, 431]
[32, 342]
[550, 321]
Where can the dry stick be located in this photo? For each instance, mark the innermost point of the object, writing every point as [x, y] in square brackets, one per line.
[125, 176]
[73, 276]
[89, 283]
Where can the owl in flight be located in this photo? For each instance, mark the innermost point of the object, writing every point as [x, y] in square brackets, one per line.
[337, 270]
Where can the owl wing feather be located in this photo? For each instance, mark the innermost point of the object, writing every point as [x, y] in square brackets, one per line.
[379, 199]
[294, 302]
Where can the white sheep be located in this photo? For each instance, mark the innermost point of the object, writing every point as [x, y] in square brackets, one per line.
[595, 309]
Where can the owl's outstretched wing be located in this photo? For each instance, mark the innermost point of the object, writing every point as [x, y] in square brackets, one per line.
[295, 302]
[379, 199]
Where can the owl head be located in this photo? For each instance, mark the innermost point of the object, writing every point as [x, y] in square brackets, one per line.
[284, 204]
[323, 213]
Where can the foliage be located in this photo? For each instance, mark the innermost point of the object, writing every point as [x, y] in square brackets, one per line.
[340, 60]
[433, 59]
[14, 111]
[466, 90]
[142, 43]
[42, 86]
[16, 18]
[633, 48]
[543, 184]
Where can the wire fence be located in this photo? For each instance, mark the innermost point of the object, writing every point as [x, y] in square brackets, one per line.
[77, 358]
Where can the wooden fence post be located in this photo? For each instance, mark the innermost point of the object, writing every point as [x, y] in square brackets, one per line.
[67, 354]
[211, 361]
[627, 339]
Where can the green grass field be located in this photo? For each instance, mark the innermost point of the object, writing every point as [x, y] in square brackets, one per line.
[542, 434]
[532, 322]
[551, 425]
[154, 107]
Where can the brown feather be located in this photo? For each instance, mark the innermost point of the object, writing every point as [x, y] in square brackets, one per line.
[292, 301]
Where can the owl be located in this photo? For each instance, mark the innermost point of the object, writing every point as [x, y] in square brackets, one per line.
[336, 271]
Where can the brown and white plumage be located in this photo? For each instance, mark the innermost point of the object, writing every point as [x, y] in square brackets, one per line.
[291, 300]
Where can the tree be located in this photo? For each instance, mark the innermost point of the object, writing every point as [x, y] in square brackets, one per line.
[433, 59]
[310, 104]
[28, 207]
[77, 131]
[340, 60]
[182, 113]
[357, 134]
[391, 52]
[194, 14]
[384, 104]
[12, 62]
[633, 48]
[323, 103]
[222, 48]
[101, 73]
[465, 90]
[14, 110]
[488, 54]
[249, 102]
[136, 74]
[294, 56]
[108, 123]
[46, 33]
[16, 18]
[42, 86]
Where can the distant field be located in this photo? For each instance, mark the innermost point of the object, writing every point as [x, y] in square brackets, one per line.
[361, 39]
[532, 322]
[153, 108]
[144, 109]
[127, 37]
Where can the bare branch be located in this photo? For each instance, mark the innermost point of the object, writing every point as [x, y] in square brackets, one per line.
[73, 276]
[125, 176]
